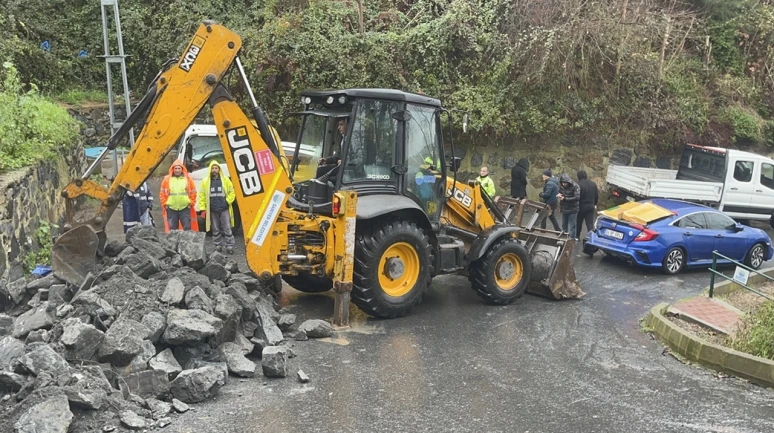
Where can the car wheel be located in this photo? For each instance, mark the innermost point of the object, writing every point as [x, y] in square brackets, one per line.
[756, 256]
[674, 261]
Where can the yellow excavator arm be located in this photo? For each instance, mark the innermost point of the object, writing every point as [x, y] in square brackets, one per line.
[254, 159]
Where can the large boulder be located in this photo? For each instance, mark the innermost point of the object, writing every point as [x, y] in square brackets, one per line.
[274, 361]
[42, 317]
[165, 361]
[174, 292]
[52, 415]
[227, 310]
[44, 359]
[11, 349]
[81, 341]
[191, 248]
[123, 341]
[193, 386]
[156, 323]
[188, 326]
[6, 325]
[316, 328]
[149, 383]
[232, 355]
[91, 303]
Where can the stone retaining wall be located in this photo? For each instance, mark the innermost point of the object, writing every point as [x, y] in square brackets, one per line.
[28, 198]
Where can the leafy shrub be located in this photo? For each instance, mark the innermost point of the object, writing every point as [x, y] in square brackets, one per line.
[31, 127]
[746, 125]
[41, 249]
[756, 333]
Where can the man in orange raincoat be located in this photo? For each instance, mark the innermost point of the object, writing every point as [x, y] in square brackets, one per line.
[178, 197]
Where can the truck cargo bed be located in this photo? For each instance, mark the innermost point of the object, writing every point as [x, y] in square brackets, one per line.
[661, 183]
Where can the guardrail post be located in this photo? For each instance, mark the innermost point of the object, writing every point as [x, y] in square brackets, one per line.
[712, 274]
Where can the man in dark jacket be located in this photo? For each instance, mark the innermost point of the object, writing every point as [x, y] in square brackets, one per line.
[550, 190]
[569, 196]
[519, 179]
[589, 196]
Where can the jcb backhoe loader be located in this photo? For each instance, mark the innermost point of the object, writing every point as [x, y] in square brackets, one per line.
[380, 224]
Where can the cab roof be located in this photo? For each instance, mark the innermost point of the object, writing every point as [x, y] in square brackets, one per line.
[387, 94]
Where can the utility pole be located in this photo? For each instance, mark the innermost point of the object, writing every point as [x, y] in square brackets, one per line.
[111, 59]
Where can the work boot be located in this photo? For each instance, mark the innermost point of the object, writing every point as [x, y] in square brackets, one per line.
[218, 248]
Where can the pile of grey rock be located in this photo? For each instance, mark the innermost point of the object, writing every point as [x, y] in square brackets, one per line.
[160, 325]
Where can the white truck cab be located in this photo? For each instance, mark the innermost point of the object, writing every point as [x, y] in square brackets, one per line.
[741, 184]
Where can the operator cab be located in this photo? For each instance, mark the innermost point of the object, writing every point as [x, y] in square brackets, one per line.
[391, 144]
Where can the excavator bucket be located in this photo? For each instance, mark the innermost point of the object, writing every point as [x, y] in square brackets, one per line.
[74, 254]
[551, 252]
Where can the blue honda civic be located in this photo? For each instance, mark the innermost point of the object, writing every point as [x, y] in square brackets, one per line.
[673, 235]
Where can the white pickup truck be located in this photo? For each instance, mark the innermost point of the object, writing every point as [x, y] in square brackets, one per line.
[741, 184]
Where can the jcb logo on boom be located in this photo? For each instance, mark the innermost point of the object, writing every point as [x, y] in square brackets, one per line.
[244, 161]
[461, 197]
[191, 54]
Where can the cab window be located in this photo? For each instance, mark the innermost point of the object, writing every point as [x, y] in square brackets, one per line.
[743, 171]
[767, 175]
[370, 155]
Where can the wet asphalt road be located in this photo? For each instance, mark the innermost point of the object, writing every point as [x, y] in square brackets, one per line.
[457, 364]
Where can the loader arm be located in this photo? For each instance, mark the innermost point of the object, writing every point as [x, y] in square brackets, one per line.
[172, 103]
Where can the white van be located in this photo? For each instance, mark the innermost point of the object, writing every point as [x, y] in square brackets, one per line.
[199, 146]
[741, 184]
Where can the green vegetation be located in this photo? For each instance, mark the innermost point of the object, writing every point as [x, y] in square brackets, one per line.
[41, 251]
[756, 334]
[82, 96]
[32, 128]
[687, 70]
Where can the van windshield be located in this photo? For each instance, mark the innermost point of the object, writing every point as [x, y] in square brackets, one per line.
[702, 166]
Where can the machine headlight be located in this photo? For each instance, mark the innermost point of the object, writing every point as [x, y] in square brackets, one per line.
[306, 100]
[329, 100]
[342, 99]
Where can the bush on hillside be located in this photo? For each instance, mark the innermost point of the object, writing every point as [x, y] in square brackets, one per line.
[32, 128]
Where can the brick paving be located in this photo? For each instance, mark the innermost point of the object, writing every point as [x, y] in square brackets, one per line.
[708, 312]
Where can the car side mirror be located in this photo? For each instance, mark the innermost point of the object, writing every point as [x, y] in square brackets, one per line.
[737, 227]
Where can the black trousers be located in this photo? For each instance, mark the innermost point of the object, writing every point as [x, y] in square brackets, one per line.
[552, 218]
[587, 215]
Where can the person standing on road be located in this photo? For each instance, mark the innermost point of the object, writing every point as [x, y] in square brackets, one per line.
[136, 207]
[487, 184]
[178, 196]
[589, 196]
[569, 196]
[215, 204]
[549, 197]
[519, 179]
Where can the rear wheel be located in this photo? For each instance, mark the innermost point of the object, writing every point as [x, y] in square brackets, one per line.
[756, 256]
[309, 283]
[393, 267]
[674, 261]
[502, 275]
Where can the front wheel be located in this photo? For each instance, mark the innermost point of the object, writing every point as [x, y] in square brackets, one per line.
[502, 275]
[393, 268]
[756, 256]
[674, 261]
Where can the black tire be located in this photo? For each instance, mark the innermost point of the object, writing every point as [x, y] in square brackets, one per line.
[756, 256]
[413, 265]
[308, 283]
[589, 250]
[674, 261]
[484, 272]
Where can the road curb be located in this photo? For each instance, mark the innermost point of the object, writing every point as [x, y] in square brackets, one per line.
[753, 368]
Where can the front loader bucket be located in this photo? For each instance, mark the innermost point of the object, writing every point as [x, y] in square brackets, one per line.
[553, 275]
[74, 254]
[551, 252]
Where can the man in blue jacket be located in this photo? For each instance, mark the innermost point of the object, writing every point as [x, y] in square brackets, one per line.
[550, 190]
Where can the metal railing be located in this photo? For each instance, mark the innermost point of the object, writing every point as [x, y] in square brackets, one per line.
[714, 272]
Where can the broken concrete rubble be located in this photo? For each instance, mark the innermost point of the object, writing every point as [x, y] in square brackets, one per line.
[165, 322]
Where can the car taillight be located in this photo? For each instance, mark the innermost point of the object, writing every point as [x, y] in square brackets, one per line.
[616, 194]
[646, 235]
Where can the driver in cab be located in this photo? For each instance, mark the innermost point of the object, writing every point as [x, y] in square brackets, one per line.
[330, 165]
